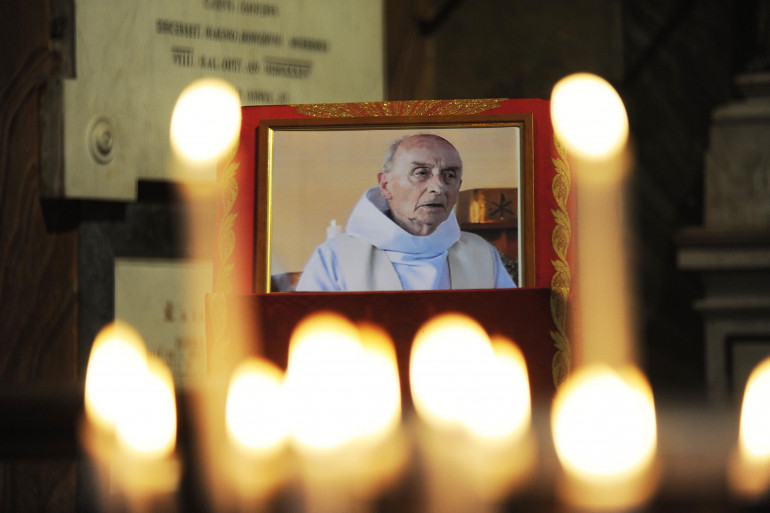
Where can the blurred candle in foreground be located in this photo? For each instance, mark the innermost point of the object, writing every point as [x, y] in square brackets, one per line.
[605, 435]
[749, 466]
[130, 431]
[206, 120]
[344, 399]
[256, 426]
[115, 367]
[255, 410]
[590, 120]
[473, 398]
[381, 413]
[325, 364]
[147, 421]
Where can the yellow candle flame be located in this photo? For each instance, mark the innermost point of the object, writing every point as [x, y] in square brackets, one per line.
[504, 409]
[331, 380]
[459, 380]
[382, 412]
[588, 116]
[255, 410]
[604, 425]
[115, 366]
[206, 120]
[748, 470]
[755, 414]
[147, 421]
[130, 393]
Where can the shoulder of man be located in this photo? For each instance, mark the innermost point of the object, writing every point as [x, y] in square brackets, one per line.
[472, 262]
[475, 241]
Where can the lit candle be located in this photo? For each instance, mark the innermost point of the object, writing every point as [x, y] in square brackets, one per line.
[605, 435]
[590, 120]
[205, 125]
[345, 404]
[255, 410]
[472, 397]
[146, 422]
[204, 128]
[256, 426]
[146, 469]
[115, 365]
[749, 465]
[131, 420]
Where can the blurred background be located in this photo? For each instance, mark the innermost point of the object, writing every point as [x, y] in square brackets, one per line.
[678, 65]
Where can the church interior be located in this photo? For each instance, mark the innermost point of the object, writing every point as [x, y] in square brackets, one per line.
[694, 77]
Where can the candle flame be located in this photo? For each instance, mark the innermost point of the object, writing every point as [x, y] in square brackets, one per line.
[588, 116]
[382, 412]
[147, 421]
[458, 379]
[332, 379]
[255, 409]
[749, 464]
[506, 411]
[603, 423]
[755, 414]
[206, 120]
[115, 366]
[130, 393]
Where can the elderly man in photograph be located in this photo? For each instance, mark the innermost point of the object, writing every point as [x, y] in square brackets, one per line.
[403, 234]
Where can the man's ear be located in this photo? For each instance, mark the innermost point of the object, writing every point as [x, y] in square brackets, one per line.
[382, 179]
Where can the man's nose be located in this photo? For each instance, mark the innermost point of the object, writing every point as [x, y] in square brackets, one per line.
[436, 183]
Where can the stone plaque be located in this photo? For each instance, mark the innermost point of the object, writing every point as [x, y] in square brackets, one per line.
[164, 301]
[132, 59]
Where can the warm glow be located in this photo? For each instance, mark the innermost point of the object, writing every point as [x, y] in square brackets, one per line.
[115, 367]
[206, 120]
[604, 423]
[588, 115]
[458, 379]
[381, 413]
[255, 410]
[332, 382]
[450, 353]
[146, 422]
[503, 408]
[755, 414]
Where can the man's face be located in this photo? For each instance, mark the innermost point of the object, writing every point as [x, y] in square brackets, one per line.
[422, 184]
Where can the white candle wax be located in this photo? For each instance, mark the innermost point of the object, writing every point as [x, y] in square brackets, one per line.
[472, 397]
[590, 120]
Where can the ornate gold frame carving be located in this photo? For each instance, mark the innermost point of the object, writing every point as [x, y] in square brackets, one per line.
[228, 193]
[562, 277]
[398, 108]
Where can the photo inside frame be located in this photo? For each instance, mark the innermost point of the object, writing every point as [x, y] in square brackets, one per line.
[318, 175]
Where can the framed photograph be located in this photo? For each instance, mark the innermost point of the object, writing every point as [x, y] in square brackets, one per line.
[300, 170]
[314, 171]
